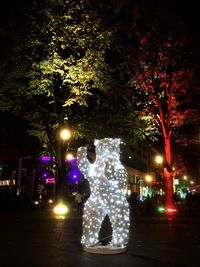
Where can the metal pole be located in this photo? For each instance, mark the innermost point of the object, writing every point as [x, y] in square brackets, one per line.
[19, 176]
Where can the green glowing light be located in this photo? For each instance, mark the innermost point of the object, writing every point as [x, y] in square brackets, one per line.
[161, 209]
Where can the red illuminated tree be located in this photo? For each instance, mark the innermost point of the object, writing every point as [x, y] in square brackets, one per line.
[163, 86]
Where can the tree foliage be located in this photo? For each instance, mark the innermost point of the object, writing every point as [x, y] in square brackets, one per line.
[164, 82]
[56, 62]
[110, 112]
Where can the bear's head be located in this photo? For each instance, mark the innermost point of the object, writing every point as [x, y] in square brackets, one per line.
[107, 148]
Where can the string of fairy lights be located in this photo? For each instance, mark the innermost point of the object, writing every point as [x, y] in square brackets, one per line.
[107, 178]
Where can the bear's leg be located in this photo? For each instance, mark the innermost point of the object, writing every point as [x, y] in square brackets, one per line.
[119, 217]
[92, 220]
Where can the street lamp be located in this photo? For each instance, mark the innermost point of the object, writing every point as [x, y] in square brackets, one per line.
[158, 167]
[69, 157]
[148, 179]
[61, 209]
[64, 135]
[159, 159]
[185, 177]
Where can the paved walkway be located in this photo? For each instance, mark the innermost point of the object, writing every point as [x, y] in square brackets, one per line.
[38, 239]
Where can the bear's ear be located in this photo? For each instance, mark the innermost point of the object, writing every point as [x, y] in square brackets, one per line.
[96, 142]
[117, 141]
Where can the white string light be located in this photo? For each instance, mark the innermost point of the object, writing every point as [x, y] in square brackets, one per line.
[107, 178]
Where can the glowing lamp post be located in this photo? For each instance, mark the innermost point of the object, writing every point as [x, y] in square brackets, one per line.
[159, 159]
[158, 169]
[185, 177]
[64, 135]
[148, 178]
[69, 157]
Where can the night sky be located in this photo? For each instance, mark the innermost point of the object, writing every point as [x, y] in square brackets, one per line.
[188, 10]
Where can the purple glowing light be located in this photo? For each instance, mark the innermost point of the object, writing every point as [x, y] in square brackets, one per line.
[74, 176]
[46, 158]
[51, 180]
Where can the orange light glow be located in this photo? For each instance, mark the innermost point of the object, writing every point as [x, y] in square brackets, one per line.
[171, 210]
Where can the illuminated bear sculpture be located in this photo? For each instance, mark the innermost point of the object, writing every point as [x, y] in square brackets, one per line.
[106, 177]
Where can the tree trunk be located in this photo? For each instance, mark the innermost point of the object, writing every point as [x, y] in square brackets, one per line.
[60, 172]
[32, 182]
[168, 175]
[19, 175]
[168, 188]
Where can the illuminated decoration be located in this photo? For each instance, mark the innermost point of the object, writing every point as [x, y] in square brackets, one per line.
[107, 178]
[170, 211]
[161, 209]
[167, 211]
[50, 180]
[74, 176]
[45, 175]
[46, 158]
[74, 173]
[7, 182]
